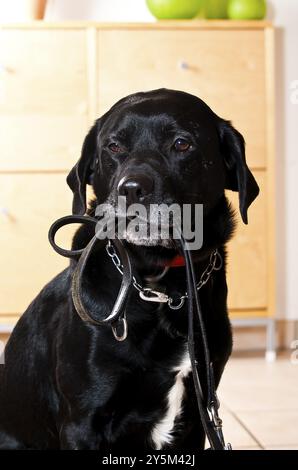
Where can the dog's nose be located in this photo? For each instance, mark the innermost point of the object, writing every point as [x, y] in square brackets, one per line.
[135, 187]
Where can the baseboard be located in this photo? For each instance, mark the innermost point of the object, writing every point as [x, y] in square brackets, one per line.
[245, 338]
[254, 338]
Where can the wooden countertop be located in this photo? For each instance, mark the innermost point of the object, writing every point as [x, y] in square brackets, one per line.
[164, 24]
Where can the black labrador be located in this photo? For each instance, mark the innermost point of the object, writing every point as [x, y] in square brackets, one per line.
[68, 384]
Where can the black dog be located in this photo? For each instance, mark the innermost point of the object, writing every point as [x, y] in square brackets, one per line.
[67, 384]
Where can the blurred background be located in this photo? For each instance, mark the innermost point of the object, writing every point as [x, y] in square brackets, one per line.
[65, 62]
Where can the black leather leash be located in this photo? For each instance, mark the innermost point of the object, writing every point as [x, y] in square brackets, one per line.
[117, 316]
[208, 406]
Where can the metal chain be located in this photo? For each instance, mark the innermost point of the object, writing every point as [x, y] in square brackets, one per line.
[117, 262]
[150, 295]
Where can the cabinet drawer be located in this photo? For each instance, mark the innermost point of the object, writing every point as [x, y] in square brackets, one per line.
[247, 254]
[43, 98]
[29, 204]
[224, 68]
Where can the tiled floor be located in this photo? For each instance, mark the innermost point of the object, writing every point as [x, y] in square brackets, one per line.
[259, 403]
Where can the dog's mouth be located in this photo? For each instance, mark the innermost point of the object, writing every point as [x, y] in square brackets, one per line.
[142, 232]
[147, 238]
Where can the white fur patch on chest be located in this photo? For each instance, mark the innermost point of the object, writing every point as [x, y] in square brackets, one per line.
[163, 431]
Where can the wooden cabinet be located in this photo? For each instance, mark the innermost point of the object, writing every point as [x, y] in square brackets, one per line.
[248, 256]
[206, 63]
[43, 99]
[57, 78]
[32, 202]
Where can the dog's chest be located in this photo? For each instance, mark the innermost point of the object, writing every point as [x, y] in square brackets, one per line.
[162, 433]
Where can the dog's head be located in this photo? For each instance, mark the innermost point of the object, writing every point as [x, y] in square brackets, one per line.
[162, 146]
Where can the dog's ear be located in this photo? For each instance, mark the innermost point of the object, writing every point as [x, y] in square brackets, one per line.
[238, 176]
[81, 174]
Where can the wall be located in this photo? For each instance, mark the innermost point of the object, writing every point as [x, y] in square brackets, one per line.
[285, 13]
[101, 10]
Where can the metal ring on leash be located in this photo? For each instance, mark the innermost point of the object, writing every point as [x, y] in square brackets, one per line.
[218, 257]
[114, 329]
[172, 305]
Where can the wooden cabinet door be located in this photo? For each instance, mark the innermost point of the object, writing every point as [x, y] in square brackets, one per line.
[248, 254]
[29, 204]
[226, 68]
[43, 98]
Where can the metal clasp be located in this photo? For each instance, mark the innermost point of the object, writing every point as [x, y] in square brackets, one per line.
[153, 295]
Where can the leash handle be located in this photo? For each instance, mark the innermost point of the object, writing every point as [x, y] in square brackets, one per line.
[117, 314]
[67, 220]
[122, 298]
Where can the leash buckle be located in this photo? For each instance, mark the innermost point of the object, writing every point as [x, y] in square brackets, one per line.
[215, 417]
[153, 295]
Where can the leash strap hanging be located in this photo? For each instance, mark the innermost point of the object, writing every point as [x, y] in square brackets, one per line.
[212, 426]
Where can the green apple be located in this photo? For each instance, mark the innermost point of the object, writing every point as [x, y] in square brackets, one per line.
[174, 9]
[215, 9]
[247, 9]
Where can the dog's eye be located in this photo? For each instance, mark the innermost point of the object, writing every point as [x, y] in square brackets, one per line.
[181, 145]
[115, 147]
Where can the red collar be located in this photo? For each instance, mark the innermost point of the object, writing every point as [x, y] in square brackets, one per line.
[175, 262]
[178, 261]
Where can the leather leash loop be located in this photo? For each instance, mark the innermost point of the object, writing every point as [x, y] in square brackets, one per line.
[122, 298]
[83, 256]
[67, 220]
